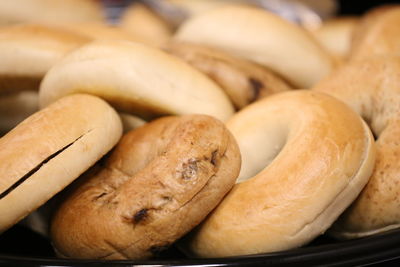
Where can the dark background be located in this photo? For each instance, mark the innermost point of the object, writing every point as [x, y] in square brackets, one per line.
[358, 7]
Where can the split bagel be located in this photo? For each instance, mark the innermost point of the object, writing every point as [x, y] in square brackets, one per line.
[51, 148]
[264, 38]
[135, 79]
[159, 182]
[318, 160]
[371, 87]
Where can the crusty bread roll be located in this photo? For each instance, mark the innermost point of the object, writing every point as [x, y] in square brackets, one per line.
[306, 156]
[263, 37]
[159, 182]
[371, 87]
[144, 23]
[135, 79]
[28, 51]
[243, 81]
[377, 33]
[14, 108]
[50, 11]
[51, 148]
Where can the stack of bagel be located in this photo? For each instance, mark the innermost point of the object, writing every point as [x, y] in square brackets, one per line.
[234, 132]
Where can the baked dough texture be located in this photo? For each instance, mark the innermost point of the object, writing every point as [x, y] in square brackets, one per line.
[51, 148]
[135, 79]
[159, 182]
[306, 156]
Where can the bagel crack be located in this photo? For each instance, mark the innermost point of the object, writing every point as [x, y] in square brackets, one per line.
[37, 168]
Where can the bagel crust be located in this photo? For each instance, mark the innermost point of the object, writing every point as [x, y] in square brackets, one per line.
[318, 160]
[51, 148]
[135, 79]
[371, 87]
[161, 180]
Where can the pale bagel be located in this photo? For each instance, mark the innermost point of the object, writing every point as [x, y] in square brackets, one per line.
[243, 81]
[159, 182]
[371, 87]
[306, 156]
[135, 79]
[50, 11]
[28, 51]
[263, 37]
[51, 148]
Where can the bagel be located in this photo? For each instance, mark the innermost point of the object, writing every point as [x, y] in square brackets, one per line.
[50, 11]
[243, 81]
[15, 108]
[28, 51]
[262, 37]
[135, 79]
[51, 148]
[141, 21]
[371, 87]
[377, 33]
[160, 181]
[318, 160]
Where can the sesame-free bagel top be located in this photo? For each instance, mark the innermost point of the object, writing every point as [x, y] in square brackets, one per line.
[159, 182]
[135, 79]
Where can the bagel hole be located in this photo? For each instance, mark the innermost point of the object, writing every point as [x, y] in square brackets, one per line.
[260, 151]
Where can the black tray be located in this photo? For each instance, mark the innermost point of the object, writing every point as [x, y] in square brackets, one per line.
[35, 250]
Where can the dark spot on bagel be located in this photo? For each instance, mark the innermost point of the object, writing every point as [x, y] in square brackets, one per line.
[140, 215]
[99, 196]
[156, 250]
[214, 157]
[256, 85]
[189, 169]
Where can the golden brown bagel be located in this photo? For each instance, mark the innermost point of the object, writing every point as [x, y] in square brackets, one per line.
[160, 181]
[135, 79]
[51, 148]
[263, 37]
[28, 51]
[371, 87]
[50, 11]
[243, 81]
[377, 33]
[306, 156]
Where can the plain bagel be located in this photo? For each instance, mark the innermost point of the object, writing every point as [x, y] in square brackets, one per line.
[28, 51]
[371, 87]
[306, 156]
[135, 79]
[262, 37]
[51, 148]
[159, 182]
